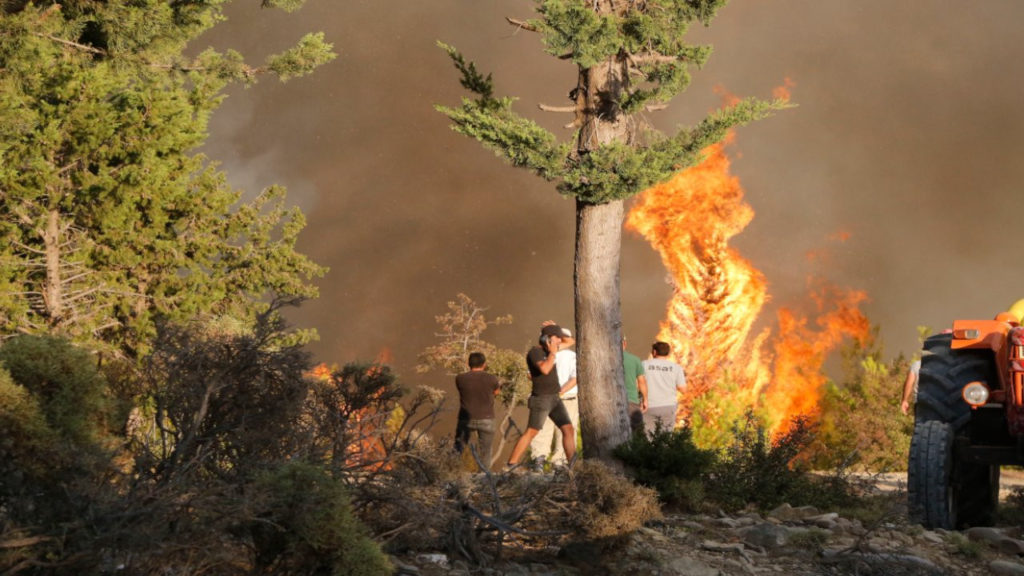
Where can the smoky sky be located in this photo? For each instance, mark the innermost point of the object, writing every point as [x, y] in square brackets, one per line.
[900, 169]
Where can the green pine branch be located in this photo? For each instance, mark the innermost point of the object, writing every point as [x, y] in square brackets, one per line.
[491, 121]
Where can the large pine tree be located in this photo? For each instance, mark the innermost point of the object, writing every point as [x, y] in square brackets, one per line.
[630, 55]
[109, 218]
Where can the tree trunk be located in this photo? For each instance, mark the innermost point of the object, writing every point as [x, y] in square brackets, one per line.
[603, 410]
[603, 416]
[53, 293]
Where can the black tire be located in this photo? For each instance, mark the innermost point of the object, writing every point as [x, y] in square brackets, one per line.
[973, 492]
[943, 375]
[931, 496]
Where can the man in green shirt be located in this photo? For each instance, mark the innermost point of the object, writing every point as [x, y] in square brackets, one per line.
[636, 388]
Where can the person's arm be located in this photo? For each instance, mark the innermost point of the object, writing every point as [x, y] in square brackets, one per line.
[548, 364]
[641, 386]
[908, 391]
[567, 386]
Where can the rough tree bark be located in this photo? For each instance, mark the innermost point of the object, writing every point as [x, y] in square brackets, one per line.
[603, 415]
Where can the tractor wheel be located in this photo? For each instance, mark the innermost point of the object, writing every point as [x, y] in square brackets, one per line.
[930, 476]
[978, 495]
[943, 375]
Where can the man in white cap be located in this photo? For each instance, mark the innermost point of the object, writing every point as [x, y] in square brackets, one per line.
[565, 363]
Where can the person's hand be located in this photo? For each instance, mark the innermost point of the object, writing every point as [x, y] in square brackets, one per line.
[643, 404]
[905, 407]
[552, 344]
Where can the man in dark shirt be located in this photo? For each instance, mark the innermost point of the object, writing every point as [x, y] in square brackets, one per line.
[477, 389]
[544, 401]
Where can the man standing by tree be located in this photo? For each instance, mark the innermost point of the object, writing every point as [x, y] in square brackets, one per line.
[636, 388]
[477, 389]
[565, 364]
[665, 380]
[544, 402]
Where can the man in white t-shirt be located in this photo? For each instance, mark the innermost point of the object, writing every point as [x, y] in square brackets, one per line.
[665, 380]
[565, 364]
[910, 387]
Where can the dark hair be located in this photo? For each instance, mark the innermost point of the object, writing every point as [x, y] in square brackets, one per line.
[661, 348]
[477, 359]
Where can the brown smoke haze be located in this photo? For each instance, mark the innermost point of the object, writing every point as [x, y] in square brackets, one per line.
[907, 142]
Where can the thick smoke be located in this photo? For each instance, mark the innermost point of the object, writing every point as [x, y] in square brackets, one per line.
[906, 143]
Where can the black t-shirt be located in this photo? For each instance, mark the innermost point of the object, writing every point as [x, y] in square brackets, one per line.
[476, 393]
[542, 383]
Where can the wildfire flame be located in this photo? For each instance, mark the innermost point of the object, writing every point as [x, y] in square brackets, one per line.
[368, 450]
[718, 296]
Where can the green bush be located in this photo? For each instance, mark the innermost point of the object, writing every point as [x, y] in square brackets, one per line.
[861, 425]
[305, 526]
[755, 469]
[668, 461]
[54, 447]
[64, 380]
[28, 446]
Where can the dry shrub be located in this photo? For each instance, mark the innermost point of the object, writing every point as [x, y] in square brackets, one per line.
[409, 505]
[608, 505]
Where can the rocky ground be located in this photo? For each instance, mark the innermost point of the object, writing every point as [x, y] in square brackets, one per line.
[787, 540]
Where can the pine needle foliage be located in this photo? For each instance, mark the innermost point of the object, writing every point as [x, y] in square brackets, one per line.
[110, 220]
[647, 37]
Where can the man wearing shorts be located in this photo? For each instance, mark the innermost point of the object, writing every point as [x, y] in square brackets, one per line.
[541, 445]
[544, 401]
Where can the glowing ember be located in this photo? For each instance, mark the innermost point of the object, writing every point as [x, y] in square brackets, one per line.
[718, 295]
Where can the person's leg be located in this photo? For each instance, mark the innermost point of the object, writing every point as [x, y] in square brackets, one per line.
[461, 432]
[636, 418]
[540, 407]
[521, 445]
[540, 446]
[572, 406]
[485, 439]
[568, 442]
[560, 416]
[665, 414]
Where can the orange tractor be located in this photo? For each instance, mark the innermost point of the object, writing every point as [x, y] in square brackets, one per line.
[969, 421]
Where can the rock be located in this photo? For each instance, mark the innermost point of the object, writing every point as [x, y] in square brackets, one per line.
[1006, 568]
[829, 520]
[872, 563]
[984, 534]
[768, 536]
[1011, 546]
[787, 513]
[730, 522]
[722, 546]
[686, 566]
[438, 559]
[403, 569]
[652, 534]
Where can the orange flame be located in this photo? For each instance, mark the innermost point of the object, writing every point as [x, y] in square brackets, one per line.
[718, 296]
[783, 92]
[365, 423]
